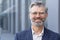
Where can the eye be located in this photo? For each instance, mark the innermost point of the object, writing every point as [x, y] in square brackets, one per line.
[34, 13]
[41, 12]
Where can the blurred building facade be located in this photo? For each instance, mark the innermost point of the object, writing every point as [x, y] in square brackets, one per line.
[14, 15]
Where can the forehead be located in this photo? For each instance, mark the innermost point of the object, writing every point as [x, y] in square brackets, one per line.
[37, 9]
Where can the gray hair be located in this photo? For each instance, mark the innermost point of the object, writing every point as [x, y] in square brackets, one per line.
[38, 3]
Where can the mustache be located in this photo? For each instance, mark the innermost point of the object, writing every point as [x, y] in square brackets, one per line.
[38, 18]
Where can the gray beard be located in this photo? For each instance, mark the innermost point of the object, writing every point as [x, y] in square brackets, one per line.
[37, 24]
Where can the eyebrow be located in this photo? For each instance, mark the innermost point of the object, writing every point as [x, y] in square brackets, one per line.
[37, 12]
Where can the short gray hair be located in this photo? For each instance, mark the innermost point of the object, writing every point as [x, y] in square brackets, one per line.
[38, 3]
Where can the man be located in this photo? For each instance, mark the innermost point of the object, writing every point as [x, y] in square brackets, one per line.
[38, 14]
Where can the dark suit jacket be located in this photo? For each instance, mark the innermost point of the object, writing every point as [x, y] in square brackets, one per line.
[27, 35]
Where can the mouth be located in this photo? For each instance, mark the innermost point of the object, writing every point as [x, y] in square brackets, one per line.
[38, 21]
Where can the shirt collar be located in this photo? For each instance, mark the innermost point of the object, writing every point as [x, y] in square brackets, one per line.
[41, 34]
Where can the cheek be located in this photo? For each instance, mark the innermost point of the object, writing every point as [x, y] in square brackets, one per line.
[32, 16]
[43, 16]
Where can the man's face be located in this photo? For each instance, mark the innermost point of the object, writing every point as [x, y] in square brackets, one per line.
[38, 15]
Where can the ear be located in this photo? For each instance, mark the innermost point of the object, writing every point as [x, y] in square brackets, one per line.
[46, 15]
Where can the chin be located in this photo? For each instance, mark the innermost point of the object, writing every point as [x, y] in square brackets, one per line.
[37, 24]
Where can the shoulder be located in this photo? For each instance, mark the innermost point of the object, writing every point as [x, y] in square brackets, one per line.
[22, 33]
[53, 34]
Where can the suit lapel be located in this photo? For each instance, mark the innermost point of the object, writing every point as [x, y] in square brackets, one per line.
[29, 35]
[46, 35]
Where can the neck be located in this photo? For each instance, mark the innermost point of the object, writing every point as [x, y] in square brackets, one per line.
[37, 30]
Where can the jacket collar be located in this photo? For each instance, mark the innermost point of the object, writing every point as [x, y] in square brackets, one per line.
[29, 35]
[45, 35]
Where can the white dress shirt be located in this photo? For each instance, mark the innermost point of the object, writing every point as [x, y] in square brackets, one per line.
[37, 37]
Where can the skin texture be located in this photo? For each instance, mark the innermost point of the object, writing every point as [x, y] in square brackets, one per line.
[37, 16]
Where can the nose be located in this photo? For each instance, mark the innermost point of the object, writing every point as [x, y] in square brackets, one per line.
[38, 15]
